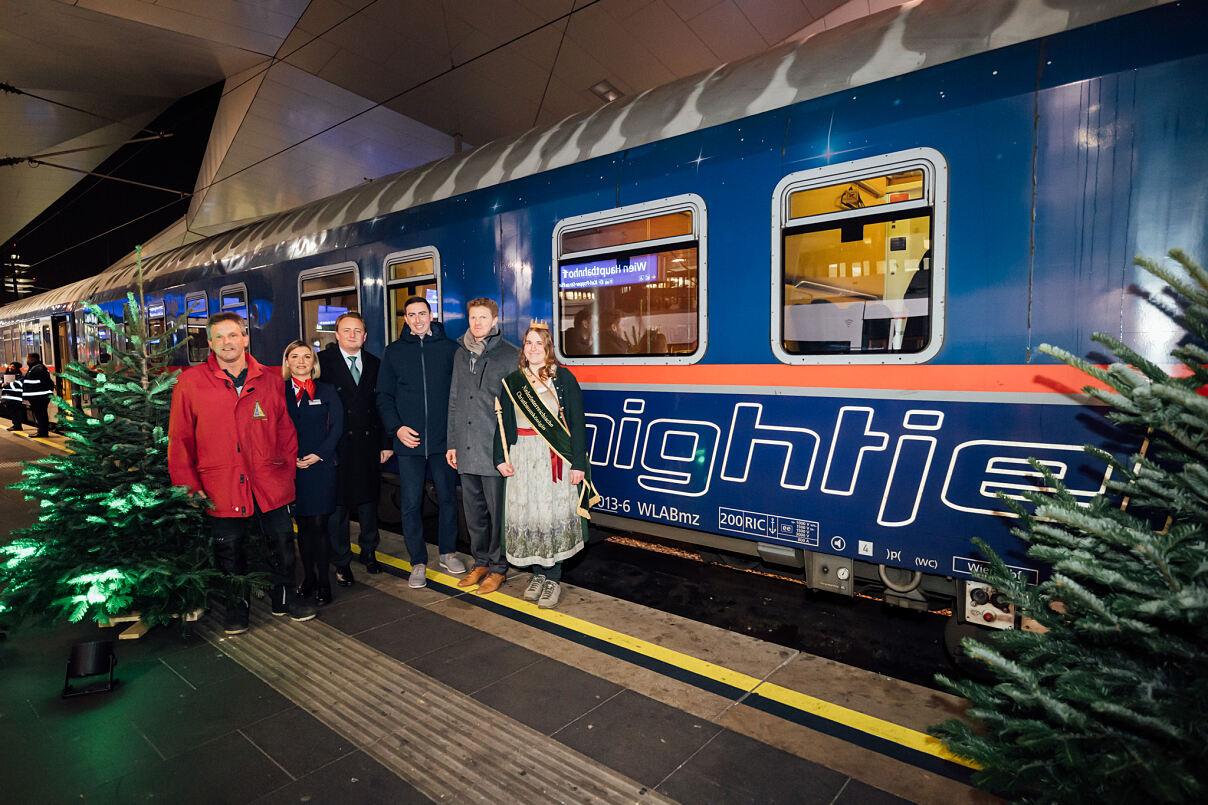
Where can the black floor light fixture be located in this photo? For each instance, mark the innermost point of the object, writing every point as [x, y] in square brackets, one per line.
[90, 659]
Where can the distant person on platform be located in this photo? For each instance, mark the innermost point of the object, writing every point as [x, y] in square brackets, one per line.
[363, 448]
[36, 388]
[10, 395]
[228, 417]
[413, 400]
[578, 339]
[318, 418]
[478, 371]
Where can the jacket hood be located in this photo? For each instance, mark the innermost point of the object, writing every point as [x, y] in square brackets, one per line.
[437, 333]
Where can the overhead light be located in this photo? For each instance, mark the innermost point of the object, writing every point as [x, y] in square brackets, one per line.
[605, 91]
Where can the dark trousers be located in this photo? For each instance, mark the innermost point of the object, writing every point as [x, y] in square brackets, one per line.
[40, 408]
[551, 573]
[341, 542]
[482, 500]
[15, 411]
[229, 533]
[314, 545]
[411, 475]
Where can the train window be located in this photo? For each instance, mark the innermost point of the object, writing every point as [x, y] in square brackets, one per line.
[629, 283]
[233, 299]
[324, 294]
[197, 311]
[411, 273]
[859, 260]
[157, 321]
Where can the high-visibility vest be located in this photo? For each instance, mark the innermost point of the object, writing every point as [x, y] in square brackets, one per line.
[37, 383]
[11, 392]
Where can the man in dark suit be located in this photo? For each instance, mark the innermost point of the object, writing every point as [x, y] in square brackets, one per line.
[362, 449]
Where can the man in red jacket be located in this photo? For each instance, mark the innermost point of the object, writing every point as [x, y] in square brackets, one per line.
[231, 440]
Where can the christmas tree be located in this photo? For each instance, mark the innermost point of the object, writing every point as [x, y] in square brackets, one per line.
[113, 536]
[1108, 702]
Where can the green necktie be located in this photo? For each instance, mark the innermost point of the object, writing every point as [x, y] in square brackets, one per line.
[356, 372]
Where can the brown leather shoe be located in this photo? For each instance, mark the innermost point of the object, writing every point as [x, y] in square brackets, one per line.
[491, 583]
[473, 577]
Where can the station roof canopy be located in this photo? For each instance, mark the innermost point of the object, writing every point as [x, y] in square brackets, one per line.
[321, 95]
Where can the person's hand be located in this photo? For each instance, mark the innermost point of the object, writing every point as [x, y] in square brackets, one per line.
[385, 456]
[506, 469]
[408, 436]
[451, 457]
[308, 460]
[576, 477]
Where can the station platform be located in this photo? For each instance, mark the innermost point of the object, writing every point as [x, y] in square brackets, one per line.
[439, 694]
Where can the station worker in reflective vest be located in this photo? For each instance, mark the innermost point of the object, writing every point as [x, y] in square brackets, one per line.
[36, 389]
[231, 439]
[10, 395]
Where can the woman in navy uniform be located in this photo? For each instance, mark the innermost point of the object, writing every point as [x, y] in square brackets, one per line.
[318, 418]
[10, 394]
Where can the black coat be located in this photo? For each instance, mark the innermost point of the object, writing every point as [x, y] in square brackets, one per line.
[359, 479]
[319, 424]
[413, 389]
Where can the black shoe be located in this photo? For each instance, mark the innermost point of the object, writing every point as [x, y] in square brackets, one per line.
[307, 588]
[286, 603]
[344, 575]
[236, 617]
[323, 595]
[41, 435]
[373, 566]
[15, 428]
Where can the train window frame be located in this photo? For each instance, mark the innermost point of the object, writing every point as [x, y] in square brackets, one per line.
[190, 298]
[935, 198]
[411, 256]
[223, 307]
[326, 271]
[632, 212]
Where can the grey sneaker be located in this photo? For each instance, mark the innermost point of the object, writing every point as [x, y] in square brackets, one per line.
[419, 577]
[533, 591]
[450, 562]
[551, 591]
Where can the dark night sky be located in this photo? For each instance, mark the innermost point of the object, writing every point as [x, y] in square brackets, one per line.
[62, 245]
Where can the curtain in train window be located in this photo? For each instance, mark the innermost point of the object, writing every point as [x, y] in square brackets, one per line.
[856, 267]
[197, 308]
[415, 274]
[630, 287]
[325, 297]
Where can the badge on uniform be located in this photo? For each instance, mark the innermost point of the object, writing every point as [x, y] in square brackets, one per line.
[258, 412]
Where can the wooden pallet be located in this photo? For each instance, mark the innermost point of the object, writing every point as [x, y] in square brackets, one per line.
[137, 628]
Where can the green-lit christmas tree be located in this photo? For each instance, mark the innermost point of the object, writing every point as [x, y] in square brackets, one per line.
[1110, 704]
[113, 536]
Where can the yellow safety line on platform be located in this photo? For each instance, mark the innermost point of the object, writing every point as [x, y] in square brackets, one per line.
[40, 440]
[886, 730]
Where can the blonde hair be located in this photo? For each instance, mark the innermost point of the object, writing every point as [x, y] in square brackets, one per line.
[314, 370]
[551, 360]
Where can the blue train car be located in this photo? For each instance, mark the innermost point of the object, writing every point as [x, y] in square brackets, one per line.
[803, 293]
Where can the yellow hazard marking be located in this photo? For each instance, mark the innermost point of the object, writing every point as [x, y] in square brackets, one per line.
[871, 725]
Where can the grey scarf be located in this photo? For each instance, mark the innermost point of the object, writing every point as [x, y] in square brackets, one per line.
[476, 347]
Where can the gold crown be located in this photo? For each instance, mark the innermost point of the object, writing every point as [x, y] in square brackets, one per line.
[538, 324]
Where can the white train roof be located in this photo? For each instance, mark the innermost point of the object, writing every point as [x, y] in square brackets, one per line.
[887, 44]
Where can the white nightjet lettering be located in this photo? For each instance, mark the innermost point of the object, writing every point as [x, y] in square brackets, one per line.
[678, 457]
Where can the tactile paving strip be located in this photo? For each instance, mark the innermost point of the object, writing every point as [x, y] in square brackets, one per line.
[414, 725]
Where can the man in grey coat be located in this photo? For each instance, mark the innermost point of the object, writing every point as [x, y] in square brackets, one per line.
[481, 363]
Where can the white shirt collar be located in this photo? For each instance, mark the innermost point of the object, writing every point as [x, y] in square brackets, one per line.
[348, 355]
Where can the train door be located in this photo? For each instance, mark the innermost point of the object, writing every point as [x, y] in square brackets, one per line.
[411, 273]
[324, 294]
[61, 349]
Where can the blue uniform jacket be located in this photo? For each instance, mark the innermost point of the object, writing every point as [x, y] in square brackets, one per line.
[319, 423]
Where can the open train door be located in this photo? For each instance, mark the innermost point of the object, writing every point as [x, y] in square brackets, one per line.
[63, 353]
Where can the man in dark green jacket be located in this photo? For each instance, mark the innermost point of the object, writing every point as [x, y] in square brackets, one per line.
[413, 401]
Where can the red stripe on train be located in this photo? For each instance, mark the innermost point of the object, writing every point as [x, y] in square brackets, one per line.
[1046, 379]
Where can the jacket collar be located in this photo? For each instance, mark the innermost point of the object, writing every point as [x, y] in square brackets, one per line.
[254, 367]
[437, 333]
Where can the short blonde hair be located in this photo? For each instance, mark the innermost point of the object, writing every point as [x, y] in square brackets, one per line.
[314, 370]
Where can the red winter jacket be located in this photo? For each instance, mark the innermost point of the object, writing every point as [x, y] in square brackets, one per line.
[232, 447]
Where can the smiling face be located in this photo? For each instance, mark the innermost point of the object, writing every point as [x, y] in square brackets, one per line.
[229, 343]
[350, 334]
[419, 319]
[301, 362]
[481, 322]
[534, 349]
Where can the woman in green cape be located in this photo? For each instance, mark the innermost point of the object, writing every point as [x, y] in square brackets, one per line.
[541, 448]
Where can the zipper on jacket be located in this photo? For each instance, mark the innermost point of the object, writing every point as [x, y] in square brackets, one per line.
[423, 370]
